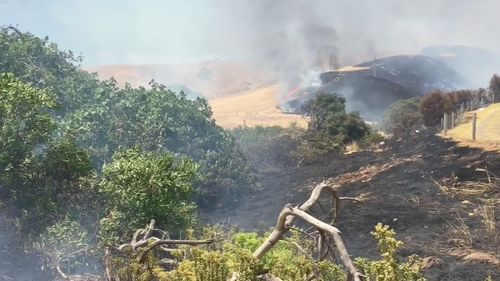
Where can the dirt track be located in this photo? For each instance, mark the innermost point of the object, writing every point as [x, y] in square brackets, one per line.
[402, 195]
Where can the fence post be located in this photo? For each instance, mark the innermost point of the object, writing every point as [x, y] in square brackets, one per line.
[474, 120]
[445, 123]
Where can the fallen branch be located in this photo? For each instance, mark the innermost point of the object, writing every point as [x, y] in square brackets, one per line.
[67, 277]
[160, 242]
[314, 197]
[352, 272]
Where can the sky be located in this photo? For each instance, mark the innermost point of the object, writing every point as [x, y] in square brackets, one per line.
[169, 31]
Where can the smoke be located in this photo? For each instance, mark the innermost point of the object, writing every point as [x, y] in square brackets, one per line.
[289, 38]
[296, 38]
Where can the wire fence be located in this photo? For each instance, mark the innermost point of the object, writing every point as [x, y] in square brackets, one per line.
[454, 118]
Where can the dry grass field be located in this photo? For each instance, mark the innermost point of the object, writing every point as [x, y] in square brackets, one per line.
[251, 108]
[488, 129]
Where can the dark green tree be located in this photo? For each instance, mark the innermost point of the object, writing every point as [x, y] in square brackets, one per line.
[38, 175]
[327, 114]
[323, 110]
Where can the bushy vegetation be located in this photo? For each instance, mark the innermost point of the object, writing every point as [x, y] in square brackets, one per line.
[284, 146]
[329, 131]
[291, 259]
[402, 117]
[139, 187]
[59, 126]
[83, 163]
[405, 116]
[102, 117]
[433, 105]
[328, 115]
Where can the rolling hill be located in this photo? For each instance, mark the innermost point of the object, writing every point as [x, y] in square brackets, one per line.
[372, 86]
[211, 79]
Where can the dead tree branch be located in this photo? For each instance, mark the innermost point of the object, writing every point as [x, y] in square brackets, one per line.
[352, 272]
[74, 277]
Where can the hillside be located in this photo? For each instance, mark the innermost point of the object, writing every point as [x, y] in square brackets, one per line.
[488, 129]
[477, 64]
[425, 187]
[369, 95]
[212, 79]
[251, 108]
[372, 86]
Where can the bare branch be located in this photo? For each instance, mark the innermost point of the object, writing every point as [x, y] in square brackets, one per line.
[280, 228]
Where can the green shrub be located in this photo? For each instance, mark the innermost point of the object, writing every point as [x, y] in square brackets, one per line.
[138, 187]
[389, 268]
[402, 117]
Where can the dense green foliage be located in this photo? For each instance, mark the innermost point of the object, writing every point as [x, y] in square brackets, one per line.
[103, 118]
[328, 114]
[59, 126]
[139, 187]
[159, 120]
[40, 177]
[402, 117]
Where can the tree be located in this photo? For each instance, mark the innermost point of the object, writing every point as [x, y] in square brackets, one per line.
[104, 118]
[495, 88]
[432, 107]
[323, 108]
[402, 117]
[138, 187]
[39, 175]
[328, 115]
[25, 128]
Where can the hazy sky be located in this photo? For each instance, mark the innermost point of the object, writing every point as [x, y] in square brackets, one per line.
[155, 31]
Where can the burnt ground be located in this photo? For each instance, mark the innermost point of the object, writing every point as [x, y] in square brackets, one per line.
[399, 190]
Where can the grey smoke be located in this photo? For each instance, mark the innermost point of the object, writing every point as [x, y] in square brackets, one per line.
[296, 37]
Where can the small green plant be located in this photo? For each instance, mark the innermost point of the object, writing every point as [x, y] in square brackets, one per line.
[389, 268]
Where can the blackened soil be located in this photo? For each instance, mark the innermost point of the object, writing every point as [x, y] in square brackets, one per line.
[402, 195]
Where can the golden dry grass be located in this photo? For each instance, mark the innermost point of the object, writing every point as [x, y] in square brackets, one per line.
[353, 68]
[256, 107]
[488, 129]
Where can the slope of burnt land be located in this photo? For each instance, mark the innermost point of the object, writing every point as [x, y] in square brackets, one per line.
[371, 96]
[399, 188]
[371, 87]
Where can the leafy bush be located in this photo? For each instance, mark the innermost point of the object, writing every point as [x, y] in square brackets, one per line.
[68, 244]
[285, 146]
[140, 187]
[402, 117]
[40, 177]
[389, 268]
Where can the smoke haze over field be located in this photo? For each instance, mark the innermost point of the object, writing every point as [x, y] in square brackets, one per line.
[289, 33]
